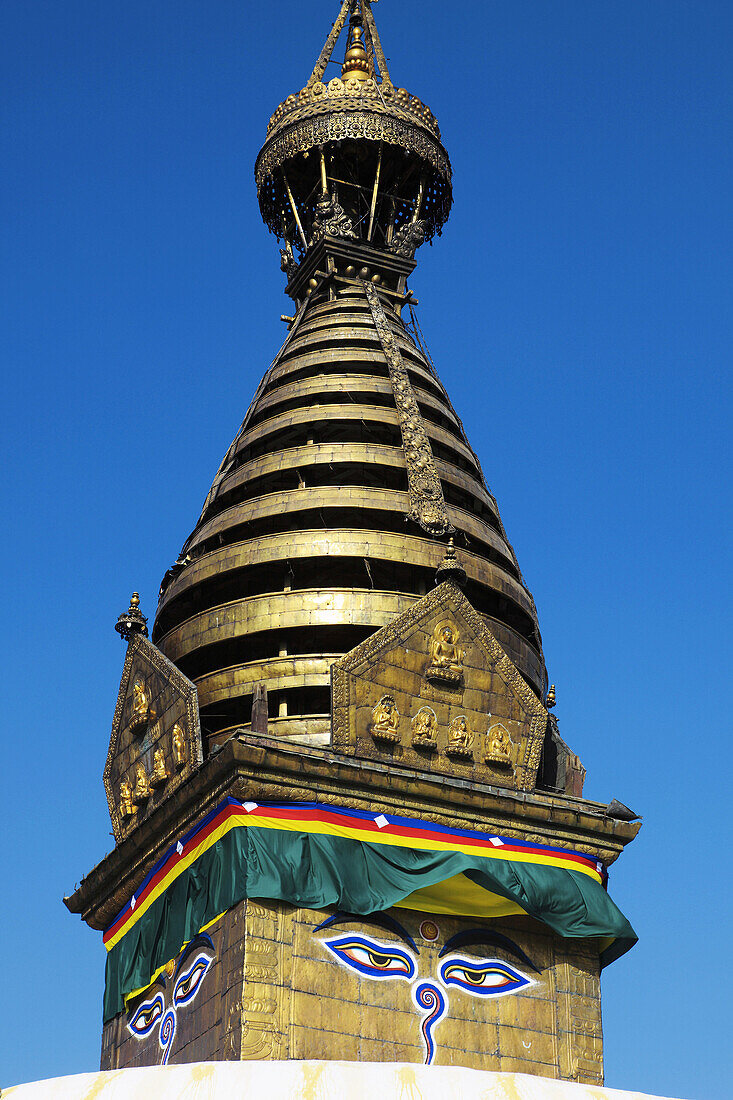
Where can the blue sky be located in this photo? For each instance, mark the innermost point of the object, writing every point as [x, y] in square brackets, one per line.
[578, 310]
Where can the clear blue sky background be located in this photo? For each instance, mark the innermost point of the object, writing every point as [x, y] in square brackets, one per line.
[578, 308]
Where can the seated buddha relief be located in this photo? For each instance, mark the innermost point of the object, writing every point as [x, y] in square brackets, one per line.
[424, 726]
[460, 739]
[141, 713]
[141, 792]
[446, 656]
[498, 746]
[385, 721]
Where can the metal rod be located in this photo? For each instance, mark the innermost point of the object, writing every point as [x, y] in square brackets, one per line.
[366, 11]
[329, 44]
[418, 201]
[294, 208]
[390, 227]
[374, 193]
[324, 180]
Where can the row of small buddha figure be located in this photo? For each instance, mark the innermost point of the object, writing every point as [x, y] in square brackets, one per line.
[424, 728]
[136, 794]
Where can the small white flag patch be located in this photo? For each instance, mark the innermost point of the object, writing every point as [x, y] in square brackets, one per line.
[496, 842]
[381, 821]
[133, 901]
[250, 806]
[179, 848]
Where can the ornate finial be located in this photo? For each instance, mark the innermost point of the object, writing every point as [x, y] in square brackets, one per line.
[356, 62]
[132, 621]
[550, 700]
[450, 569]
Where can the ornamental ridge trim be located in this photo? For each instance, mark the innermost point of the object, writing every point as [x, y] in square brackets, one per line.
[301, 134]
[427, 502]
[383, 98]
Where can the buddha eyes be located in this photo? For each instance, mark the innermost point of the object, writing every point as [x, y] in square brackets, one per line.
[189, 981]
[482, 978]
[147, 1016]
[376, 960]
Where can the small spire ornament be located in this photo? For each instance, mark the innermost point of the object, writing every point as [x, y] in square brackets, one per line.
[550, 700]
[450, 569]
[132, 621]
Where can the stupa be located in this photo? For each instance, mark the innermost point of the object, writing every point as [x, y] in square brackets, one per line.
[346, 824]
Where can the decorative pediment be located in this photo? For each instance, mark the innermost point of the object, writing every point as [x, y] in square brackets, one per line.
[156, 736]
[435, 691]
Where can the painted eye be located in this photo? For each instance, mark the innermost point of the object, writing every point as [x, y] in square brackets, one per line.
[483, 978]
[376, 960]
[146, 1016]
[187, 985]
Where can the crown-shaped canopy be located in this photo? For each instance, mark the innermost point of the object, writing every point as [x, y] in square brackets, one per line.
[354, 156]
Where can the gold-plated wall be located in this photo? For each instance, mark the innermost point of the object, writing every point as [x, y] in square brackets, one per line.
[276, 991]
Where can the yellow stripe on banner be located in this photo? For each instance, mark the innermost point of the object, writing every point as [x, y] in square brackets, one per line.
[156, 974]
[370, 837]
[321, 828]
[459, 897]
[177, 869]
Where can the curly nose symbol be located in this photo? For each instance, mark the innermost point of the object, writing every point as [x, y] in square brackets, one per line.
[167, 1031]
[430, 1001]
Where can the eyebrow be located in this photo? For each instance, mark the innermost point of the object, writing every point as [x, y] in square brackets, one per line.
[381, 920]
[485, 937]
[199, 941]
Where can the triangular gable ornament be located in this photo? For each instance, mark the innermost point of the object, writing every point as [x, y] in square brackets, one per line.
[156, 735]
[435, 691]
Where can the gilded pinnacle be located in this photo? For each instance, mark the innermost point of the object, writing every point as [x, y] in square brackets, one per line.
[356, 63]
[132, 621]
[450, 569]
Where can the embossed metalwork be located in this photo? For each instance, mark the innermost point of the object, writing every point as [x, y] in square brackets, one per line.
[159, 775]
[178, 739]
[142, 713]
[498, 745]
[446, 656]
[132, 621]
[141, 790]
[175, 698]
[127, 805]
[408, 238]
[424, 726]
[385, 721]
[330, 218]
[446, 602]
[460, 739]
[426, 493]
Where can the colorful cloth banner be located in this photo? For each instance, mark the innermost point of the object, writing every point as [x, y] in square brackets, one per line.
[319, 856]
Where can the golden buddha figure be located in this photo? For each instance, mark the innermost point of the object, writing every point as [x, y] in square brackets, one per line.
[159, 773]
[460, 738]
[385, 720]
[179, 747]
[127, 806]
[423, 729]
[446, 656]
[498, 745]
[142, 787]
[140, 707]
